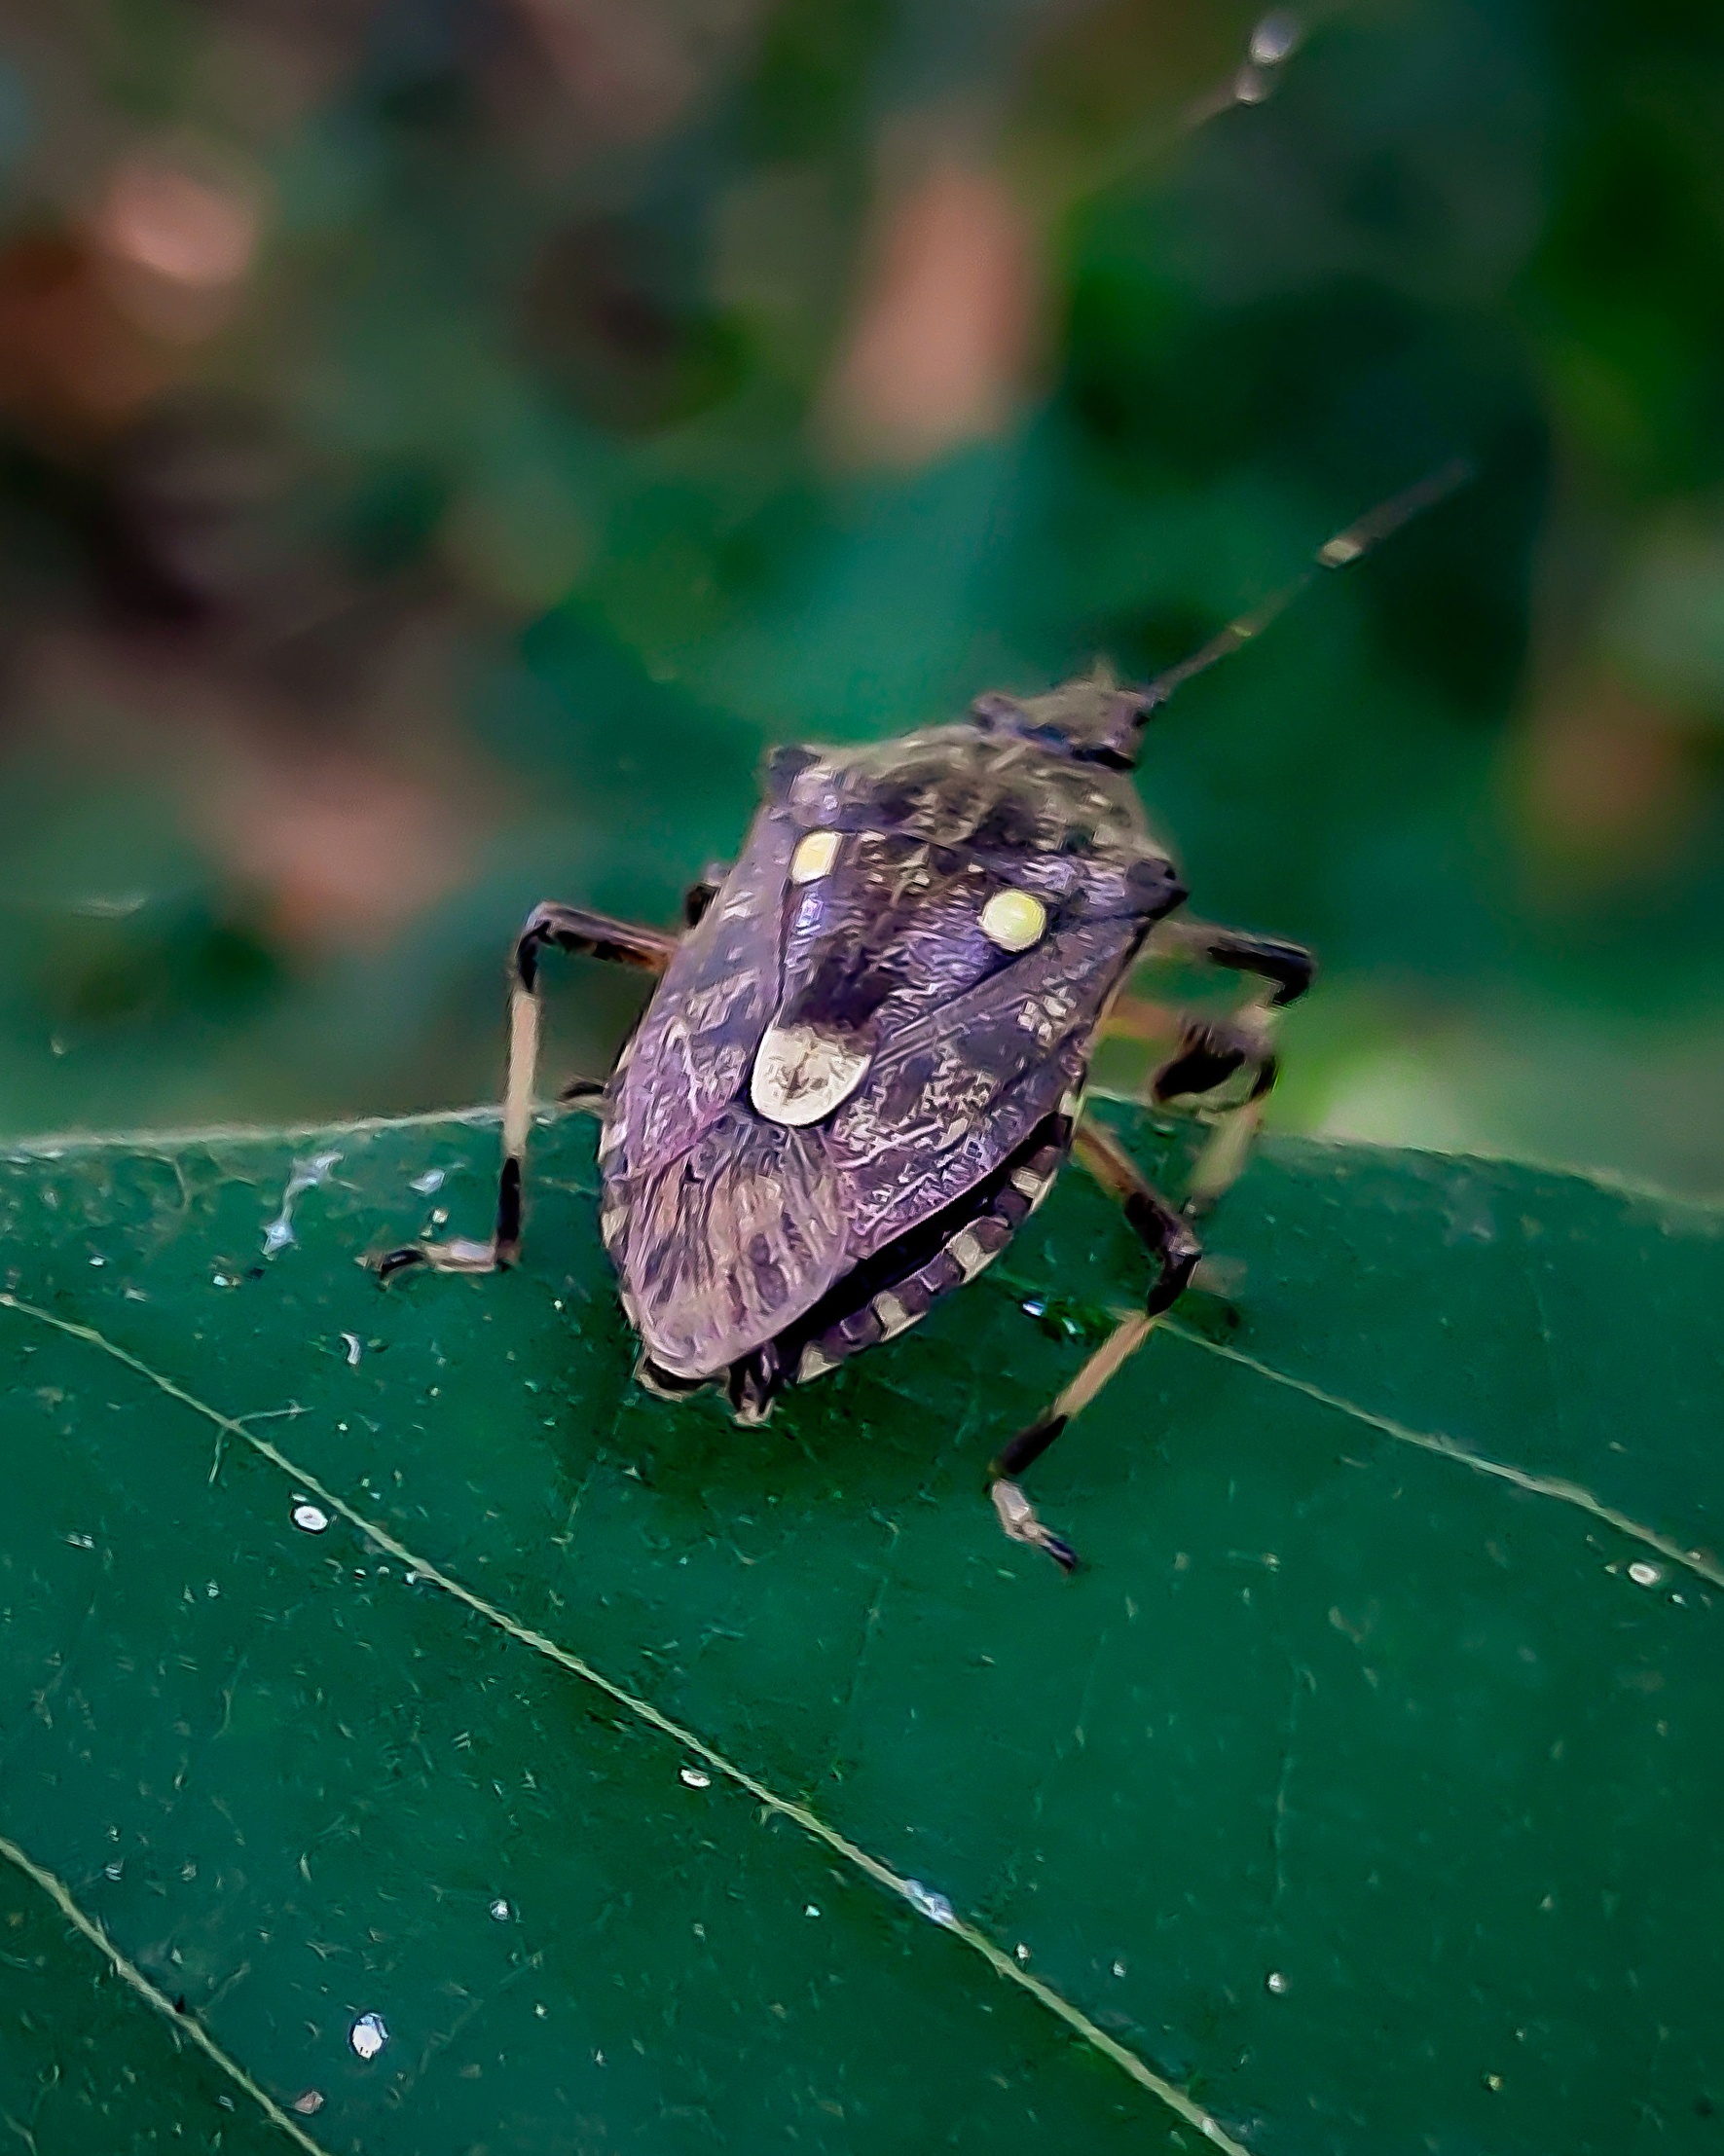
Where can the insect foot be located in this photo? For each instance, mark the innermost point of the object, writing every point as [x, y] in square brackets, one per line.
[458, 1256]
[1017, 1515]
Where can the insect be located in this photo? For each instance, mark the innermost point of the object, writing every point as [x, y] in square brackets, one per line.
[864, 1064]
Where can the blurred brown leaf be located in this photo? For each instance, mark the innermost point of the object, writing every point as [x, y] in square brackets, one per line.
[943, 339]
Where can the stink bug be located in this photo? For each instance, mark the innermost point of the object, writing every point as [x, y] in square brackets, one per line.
[865, 1061]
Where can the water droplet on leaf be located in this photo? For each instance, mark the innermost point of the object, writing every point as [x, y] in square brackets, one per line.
[368, 2035]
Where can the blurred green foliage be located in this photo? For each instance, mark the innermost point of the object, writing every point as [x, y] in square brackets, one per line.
[444, 442]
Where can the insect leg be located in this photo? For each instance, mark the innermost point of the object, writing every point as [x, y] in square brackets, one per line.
[1288, 968]
[584, 935]
[1223, 1069]
[1222, 1072]
[564, 928]
[1169, 1238]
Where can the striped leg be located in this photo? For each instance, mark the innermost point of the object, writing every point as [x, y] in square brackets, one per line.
[560, 928]
[1169, 1239]
[1286, 968]
[1221, 1073]
[1221, 1068]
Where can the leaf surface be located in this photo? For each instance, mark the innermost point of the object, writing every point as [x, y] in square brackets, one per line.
[1359, 1794]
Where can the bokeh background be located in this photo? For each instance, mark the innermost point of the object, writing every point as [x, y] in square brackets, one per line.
[443, 442]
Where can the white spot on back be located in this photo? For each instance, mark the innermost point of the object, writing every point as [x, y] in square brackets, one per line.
[801, 1075]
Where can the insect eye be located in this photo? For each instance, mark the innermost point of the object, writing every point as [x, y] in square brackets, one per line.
[814, 856]
[1013, 920]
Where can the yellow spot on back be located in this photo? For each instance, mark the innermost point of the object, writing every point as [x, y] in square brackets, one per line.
[1013, 920]
[814, 856]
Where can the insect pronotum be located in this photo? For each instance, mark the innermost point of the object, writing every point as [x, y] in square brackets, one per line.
[864, 1060]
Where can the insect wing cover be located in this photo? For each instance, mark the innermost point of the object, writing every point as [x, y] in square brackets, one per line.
[691, 1054]
[957, 1093]
[842, 1047]
[731, 1242]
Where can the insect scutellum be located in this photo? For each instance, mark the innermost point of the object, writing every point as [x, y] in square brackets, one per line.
[864, 1062]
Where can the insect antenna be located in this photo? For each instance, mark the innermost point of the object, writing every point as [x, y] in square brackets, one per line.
[1345, 547]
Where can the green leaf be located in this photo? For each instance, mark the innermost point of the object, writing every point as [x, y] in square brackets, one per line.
[1359, 1794]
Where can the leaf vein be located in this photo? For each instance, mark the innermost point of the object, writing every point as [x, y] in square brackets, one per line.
[1446, 1447]
[908, 1890]
[57, 1893]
